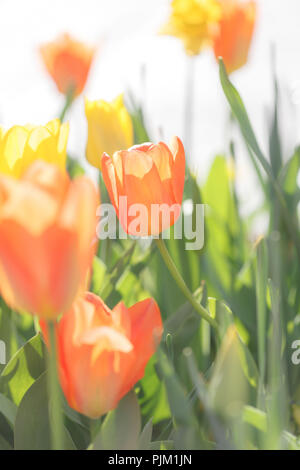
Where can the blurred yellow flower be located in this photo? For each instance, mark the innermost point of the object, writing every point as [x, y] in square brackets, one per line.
[194, 22]
[109, 129]
[20, 146]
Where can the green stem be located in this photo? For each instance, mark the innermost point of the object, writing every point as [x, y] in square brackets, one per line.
[68, 102]
[189, 108]
[182, 285]
[55, 414]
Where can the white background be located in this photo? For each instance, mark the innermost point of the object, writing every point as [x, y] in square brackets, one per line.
[126, 33]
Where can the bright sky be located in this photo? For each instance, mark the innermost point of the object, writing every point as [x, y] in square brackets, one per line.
[126, 32]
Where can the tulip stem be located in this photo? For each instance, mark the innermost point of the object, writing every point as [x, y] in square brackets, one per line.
[69, 97]
[55, 402]
[181, 283]
[189, 108]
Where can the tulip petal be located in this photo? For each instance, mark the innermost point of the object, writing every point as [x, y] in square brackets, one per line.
[47, 232]
[44, 291]
[78, 212]
[27, 206]
[236, 27]
[163, 159]
[48, 178]
[147, 328]
[178, 170]
[22, 145]
[13, 146]
[110, 181]
[105, 338]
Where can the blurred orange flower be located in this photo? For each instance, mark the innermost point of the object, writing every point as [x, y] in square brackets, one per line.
[68, 61]
[236, 27]
[147, 175]
[102, 353]
[47, 230]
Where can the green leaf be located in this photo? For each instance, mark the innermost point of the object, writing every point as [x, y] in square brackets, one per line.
[259, 420]
[274, 139]
[181, 409]
[121, 427]
[146, 436]
[175, 322]
[4, 444]
[292, 442]
[261, 304]
[183, 325]
[8, 333]
[74, 168]
[239, 110]
[8, 409]
[32, 430]
[225, 319]
[255, 417]
[202, 391]
[137, 117]
[131, 289]
[222, 313]
[153, 398]
[222, 230]
[23, 369]
[289, 173]
[162, 445]
[228, 388]
[116, 272]
[98, 274]
[186, 435]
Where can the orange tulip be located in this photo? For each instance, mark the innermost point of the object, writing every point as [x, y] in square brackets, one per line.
[47, 238]
[235, 33]
[102, 353]
[147, 180]
[68, 62]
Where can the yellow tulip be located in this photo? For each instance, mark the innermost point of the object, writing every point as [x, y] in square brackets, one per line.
[20, 146]
[109, 129]
[194, 22]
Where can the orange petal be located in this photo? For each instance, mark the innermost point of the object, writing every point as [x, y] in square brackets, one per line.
[147, 328]
[178, 170]
[110, 179]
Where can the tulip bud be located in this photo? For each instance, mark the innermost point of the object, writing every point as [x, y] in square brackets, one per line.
[146, 180]
[68, 62]
[109, 128]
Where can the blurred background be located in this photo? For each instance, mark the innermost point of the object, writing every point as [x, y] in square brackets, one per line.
[132, 56]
